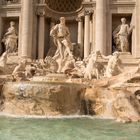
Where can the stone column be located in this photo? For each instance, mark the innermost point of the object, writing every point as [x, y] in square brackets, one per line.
[93, 32]
[87, 34]
[41, 35]
[91, 35]
[136, 48]
[0, 35]
[51, 48]
[20, 37]
[27, 28]
[101, 26]
[108, 29]
[80, 38]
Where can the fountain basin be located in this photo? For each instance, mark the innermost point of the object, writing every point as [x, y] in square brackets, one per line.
[66, 129]
[41, 98]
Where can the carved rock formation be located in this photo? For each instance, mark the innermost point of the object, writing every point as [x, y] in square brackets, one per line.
[35, 98]
[118, 99]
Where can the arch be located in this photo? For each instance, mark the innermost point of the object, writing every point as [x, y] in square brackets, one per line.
[64, 5]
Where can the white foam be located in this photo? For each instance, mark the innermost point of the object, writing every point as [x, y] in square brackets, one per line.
[52, 117]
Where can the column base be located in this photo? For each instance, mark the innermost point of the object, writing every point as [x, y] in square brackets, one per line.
[28, 59]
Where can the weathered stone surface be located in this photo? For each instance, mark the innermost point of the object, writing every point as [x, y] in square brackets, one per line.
[116, 97]
[119, 101]
[34, 98]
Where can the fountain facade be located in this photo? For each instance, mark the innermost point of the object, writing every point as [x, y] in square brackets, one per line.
[53, 80]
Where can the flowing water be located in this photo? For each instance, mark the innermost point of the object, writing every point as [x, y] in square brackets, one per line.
[66, 129]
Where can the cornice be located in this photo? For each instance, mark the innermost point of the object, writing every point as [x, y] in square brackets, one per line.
[122, 4]
[10, 7]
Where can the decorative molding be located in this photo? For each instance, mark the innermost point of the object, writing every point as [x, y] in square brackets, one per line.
[124, 4]
[9, 2]
[41, 11]
[88, 12]
[42, 1]
[14, 6]
[89, 4]
[88, 8]
[8, 8]
[79, 19]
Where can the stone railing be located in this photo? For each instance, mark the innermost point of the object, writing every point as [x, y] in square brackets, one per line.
[9, 2]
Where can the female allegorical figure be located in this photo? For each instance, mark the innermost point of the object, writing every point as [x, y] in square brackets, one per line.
[10, 38]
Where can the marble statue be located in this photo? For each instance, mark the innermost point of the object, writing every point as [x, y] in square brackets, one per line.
[114, 64]
[69, 64]
[79, 69]
[62, 83]
[30, 70]
[3, 61]
[120, 35]
[51, 64]
[19, 72]
[10, 38]
[61, 36]
[88, 68]
[92, 66]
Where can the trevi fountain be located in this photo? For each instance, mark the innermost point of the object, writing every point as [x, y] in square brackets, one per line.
[69, 70]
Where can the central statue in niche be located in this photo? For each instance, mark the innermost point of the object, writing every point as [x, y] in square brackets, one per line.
[61, 36]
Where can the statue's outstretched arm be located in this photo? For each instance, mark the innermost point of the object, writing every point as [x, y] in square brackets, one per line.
[106, 57]
[130, 29]
[8, 33]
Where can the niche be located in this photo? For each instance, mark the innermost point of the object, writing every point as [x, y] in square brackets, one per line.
[6, 24]
[116, 22]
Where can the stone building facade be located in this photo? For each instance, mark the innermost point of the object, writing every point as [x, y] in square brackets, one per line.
[91, 24]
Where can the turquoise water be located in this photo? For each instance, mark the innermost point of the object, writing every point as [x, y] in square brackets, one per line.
[67, 129]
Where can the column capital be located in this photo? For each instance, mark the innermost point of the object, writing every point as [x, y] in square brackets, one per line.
[40, 11]
[79, 19]
[88, 12]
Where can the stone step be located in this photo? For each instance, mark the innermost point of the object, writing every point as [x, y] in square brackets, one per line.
[126, 55]
[128, 58]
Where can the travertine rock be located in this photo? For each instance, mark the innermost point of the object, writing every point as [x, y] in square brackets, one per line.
[117, 101]
[34, 98]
